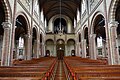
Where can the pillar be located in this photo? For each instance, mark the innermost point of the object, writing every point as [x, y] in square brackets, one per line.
[28, 46]
[92, 47]
[43, 49]
[17, 48]
[55, 53]
[114, 42]
[35, 49]
[78, 49]
[41, 52]
[5, 61]
[66, 51]
[84, 48]
[38, 45]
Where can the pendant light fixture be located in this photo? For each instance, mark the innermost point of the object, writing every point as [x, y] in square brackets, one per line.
[60, 18]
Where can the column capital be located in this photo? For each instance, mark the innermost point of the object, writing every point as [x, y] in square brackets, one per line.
[27, 35]
[6, 25]
[91, 35]
[113, 23]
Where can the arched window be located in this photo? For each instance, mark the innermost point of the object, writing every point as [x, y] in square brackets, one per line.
[78, 15]
[36, 7]
[83, 6]
[42, 16]
[21, 42]
[75, 22]
[45, 23]
[99, 42]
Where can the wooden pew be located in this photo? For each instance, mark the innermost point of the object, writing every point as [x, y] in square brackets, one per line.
[35, 69]
[86, 69]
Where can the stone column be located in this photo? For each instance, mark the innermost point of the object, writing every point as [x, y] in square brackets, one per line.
[35, 49]
[94, 47]
[75, 48]
[84, 48]
[17, 48]
[1, 42]
[43, 49]
[41, 52]
[55, 52]
[82, 43]
[78, 49]
[5, 61]
[90, 46]
[28, 46]
[38, 45]
[66, 52]
[114, 42]
[43, 45]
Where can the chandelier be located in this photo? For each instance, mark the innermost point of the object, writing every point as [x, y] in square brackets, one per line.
[60, 25]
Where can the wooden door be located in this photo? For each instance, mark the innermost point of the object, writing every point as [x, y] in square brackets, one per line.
[60, 54]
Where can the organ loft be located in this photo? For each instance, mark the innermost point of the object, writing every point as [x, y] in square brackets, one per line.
[59, 39]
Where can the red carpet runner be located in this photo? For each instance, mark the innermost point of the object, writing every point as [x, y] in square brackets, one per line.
[60, 73]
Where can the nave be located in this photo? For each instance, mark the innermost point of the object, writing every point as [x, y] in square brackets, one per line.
[50, 68]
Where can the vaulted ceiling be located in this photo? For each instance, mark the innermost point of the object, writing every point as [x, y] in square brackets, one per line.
[52, 7]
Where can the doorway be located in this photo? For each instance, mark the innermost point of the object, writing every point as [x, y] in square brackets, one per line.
[60, 54]
[60, 49]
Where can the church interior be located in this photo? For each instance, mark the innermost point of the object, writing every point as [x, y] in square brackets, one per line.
[60, 40]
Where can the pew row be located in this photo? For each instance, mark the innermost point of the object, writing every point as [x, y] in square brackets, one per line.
[87, 69]
[35, 69]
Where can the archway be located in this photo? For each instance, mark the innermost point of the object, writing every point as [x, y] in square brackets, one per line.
[60, 25]
[60, 47]
[50, 47]
[71, 47]
[21, 36]
[34, 43]
[117, 18]
[87, 41]
[100, 39]
[2, 19]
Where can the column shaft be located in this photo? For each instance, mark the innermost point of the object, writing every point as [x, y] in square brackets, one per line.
[94, 47]
[5, 61]
[114, 42]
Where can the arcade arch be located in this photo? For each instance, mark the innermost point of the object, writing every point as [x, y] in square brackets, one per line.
[99, 37]
[21, 37]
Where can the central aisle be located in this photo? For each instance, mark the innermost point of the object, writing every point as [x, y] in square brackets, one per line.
[60, 73]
